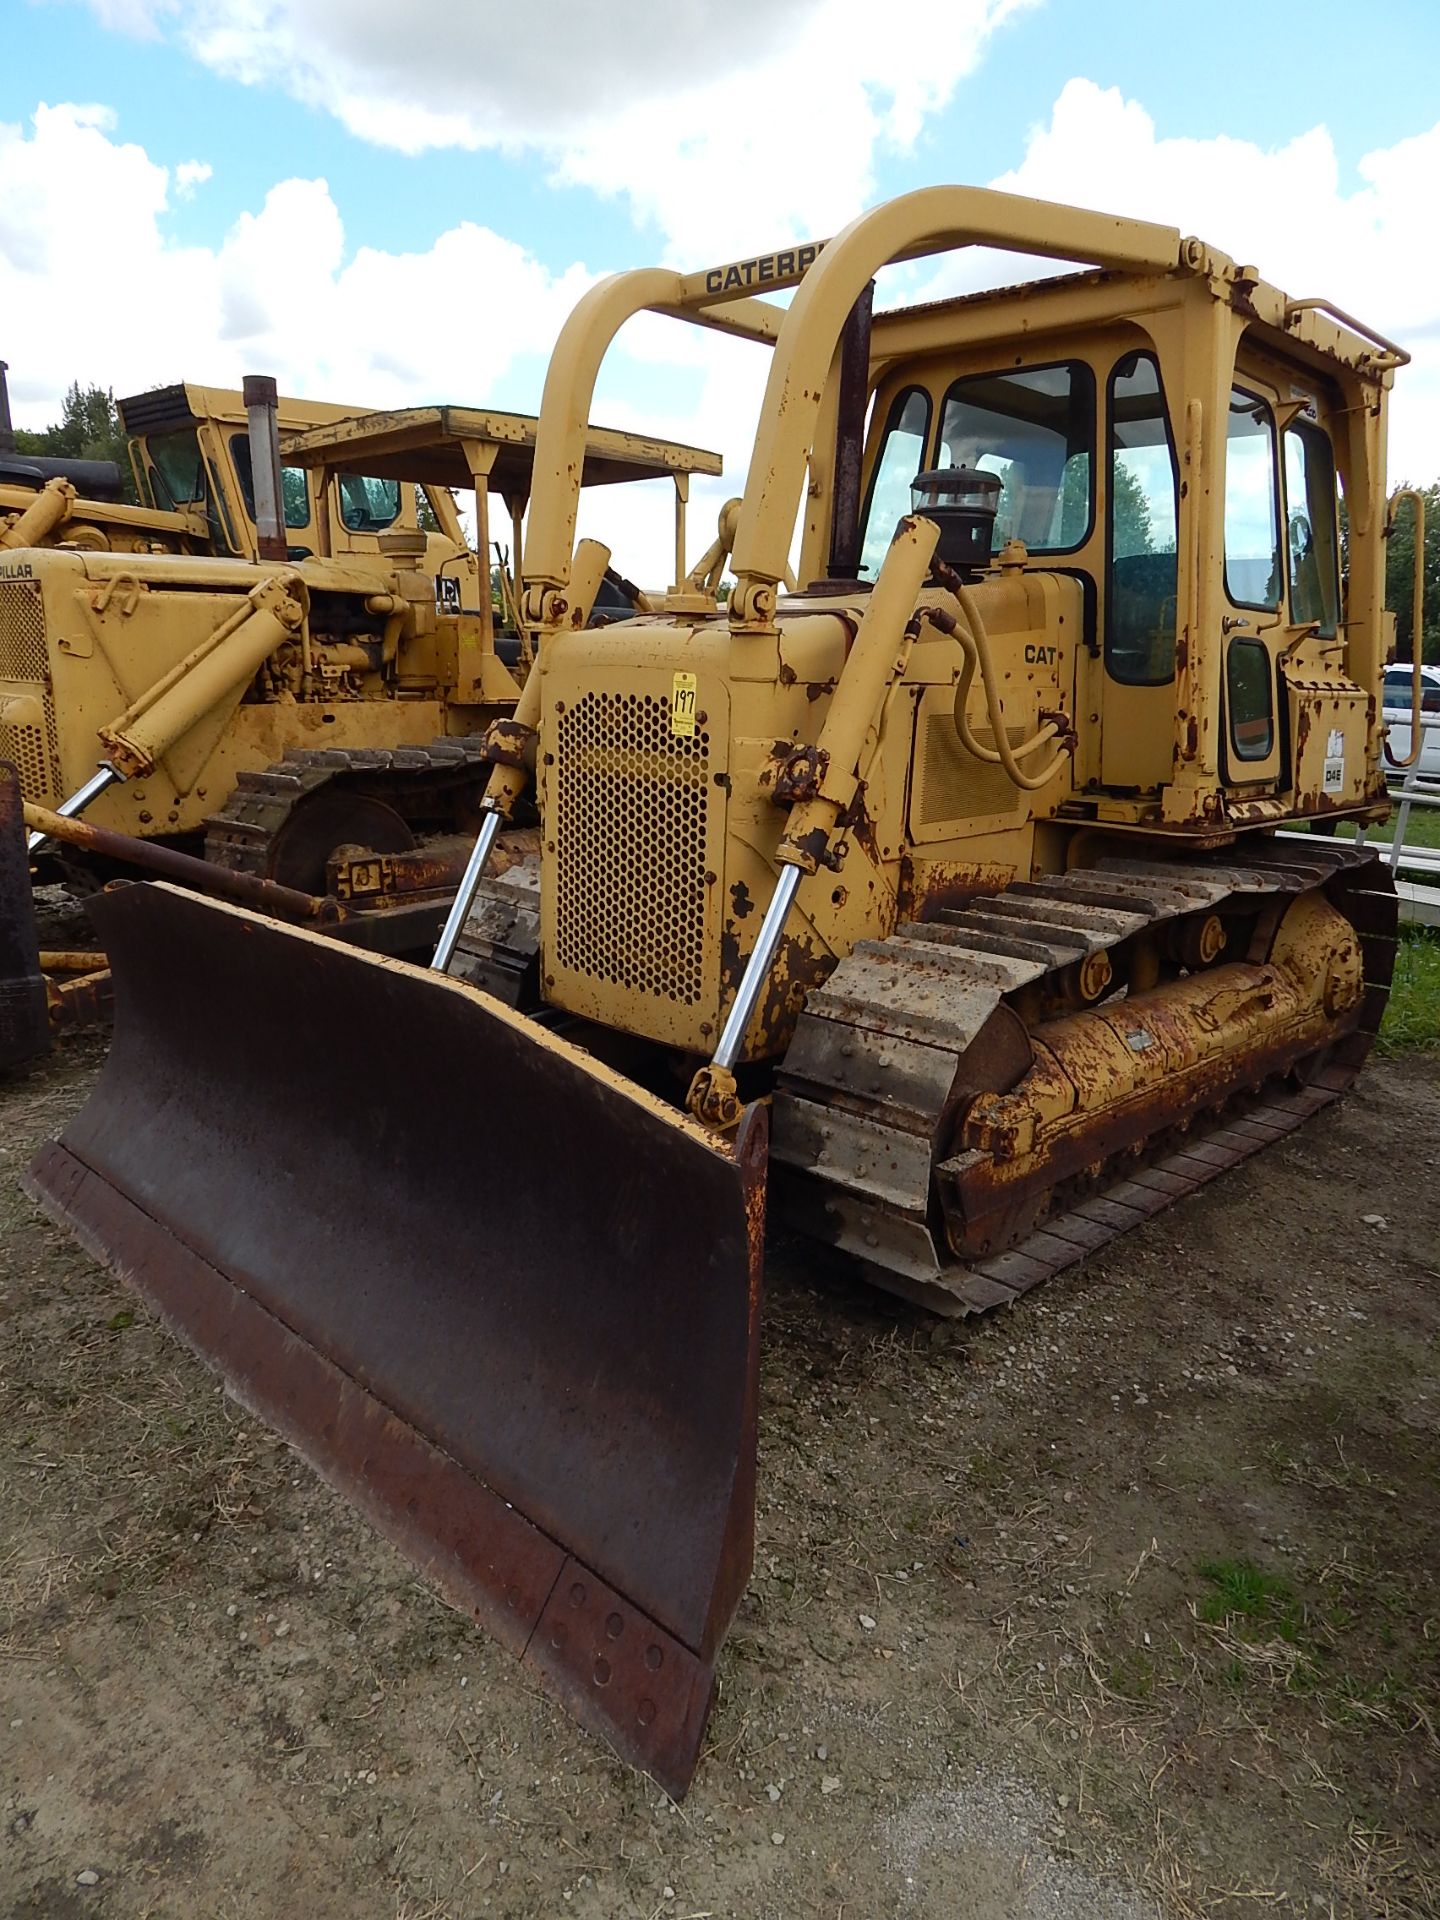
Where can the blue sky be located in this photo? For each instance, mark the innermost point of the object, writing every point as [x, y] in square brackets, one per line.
[397, 215]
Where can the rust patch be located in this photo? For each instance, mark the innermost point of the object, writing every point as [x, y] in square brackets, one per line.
[800, 775]
[741, 905]
[856, 821]
[1242, 290]
[929, 887]
[813, 848]
[797, 971]
[508, 743]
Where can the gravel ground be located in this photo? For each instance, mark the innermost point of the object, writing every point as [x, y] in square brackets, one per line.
[1118, 1605]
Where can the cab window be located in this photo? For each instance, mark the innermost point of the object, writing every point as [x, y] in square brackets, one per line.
[368, 505]
[1035, 428]
[1310, 527]
[177, 472]
[1252, 539]
[294, 486]
[1248, 681]
[182, 478]
[1141, 527]
[901, 456]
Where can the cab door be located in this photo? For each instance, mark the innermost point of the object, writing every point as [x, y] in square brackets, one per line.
[1255, 625]
[1140, 588]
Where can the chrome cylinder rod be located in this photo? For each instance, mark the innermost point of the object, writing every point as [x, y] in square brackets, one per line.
[757, 968]
[106, 776]
[465, 897]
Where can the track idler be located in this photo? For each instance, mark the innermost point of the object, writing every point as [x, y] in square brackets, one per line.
[536, 1372]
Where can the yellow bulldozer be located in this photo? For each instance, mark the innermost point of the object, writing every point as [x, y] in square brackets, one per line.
[941, 901]
[290, 668]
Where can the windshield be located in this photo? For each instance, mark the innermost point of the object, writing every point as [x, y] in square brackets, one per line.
[1035, 428]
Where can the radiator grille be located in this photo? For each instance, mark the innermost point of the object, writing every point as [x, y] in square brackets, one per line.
[25, 672]
[954, 785]
[630, 846]
[22, 632]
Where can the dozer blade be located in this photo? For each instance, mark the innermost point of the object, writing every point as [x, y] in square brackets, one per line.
[24, 1013]
[503, 1299]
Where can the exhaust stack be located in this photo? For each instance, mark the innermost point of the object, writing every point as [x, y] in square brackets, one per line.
[262, 411]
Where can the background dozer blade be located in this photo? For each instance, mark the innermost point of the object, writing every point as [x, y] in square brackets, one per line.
[24, 1013]
[537, 1373]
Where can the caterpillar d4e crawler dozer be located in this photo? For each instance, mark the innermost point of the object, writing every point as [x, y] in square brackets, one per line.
[943, 892]
[308, 714]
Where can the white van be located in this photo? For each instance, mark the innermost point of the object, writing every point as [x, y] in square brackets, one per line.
[1397, 717]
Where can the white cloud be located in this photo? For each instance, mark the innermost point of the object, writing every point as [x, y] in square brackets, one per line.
[189, 175]
[278, 293]
[282, 292]
[1283, 209]
[722, 124]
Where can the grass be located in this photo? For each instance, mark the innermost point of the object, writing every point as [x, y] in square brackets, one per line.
[1412, 1017]
[1422, 828]
[1243, 1596]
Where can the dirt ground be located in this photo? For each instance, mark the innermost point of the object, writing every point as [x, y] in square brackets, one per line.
[1118, 1605]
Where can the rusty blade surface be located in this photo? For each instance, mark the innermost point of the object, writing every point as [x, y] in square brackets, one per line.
[503, 1299]
[24, 1019]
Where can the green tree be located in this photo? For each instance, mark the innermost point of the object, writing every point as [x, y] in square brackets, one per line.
[88, 429]
[1399, 574]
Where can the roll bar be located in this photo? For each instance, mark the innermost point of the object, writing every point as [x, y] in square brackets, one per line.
[931, 220]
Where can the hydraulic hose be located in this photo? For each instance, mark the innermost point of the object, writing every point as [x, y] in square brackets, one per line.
[975, 650]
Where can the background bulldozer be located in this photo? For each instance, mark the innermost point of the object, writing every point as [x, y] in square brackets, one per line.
[946, 890]
[314, 681]
[191, 482]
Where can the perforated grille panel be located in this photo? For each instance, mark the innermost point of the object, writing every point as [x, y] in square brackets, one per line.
[25, 672]
[954, 785]
[22, 631]
[630, 841]
[26, 747]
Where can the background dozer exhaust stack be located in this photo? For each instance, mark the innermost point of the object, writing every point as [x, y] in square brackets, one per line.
[950, 857]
